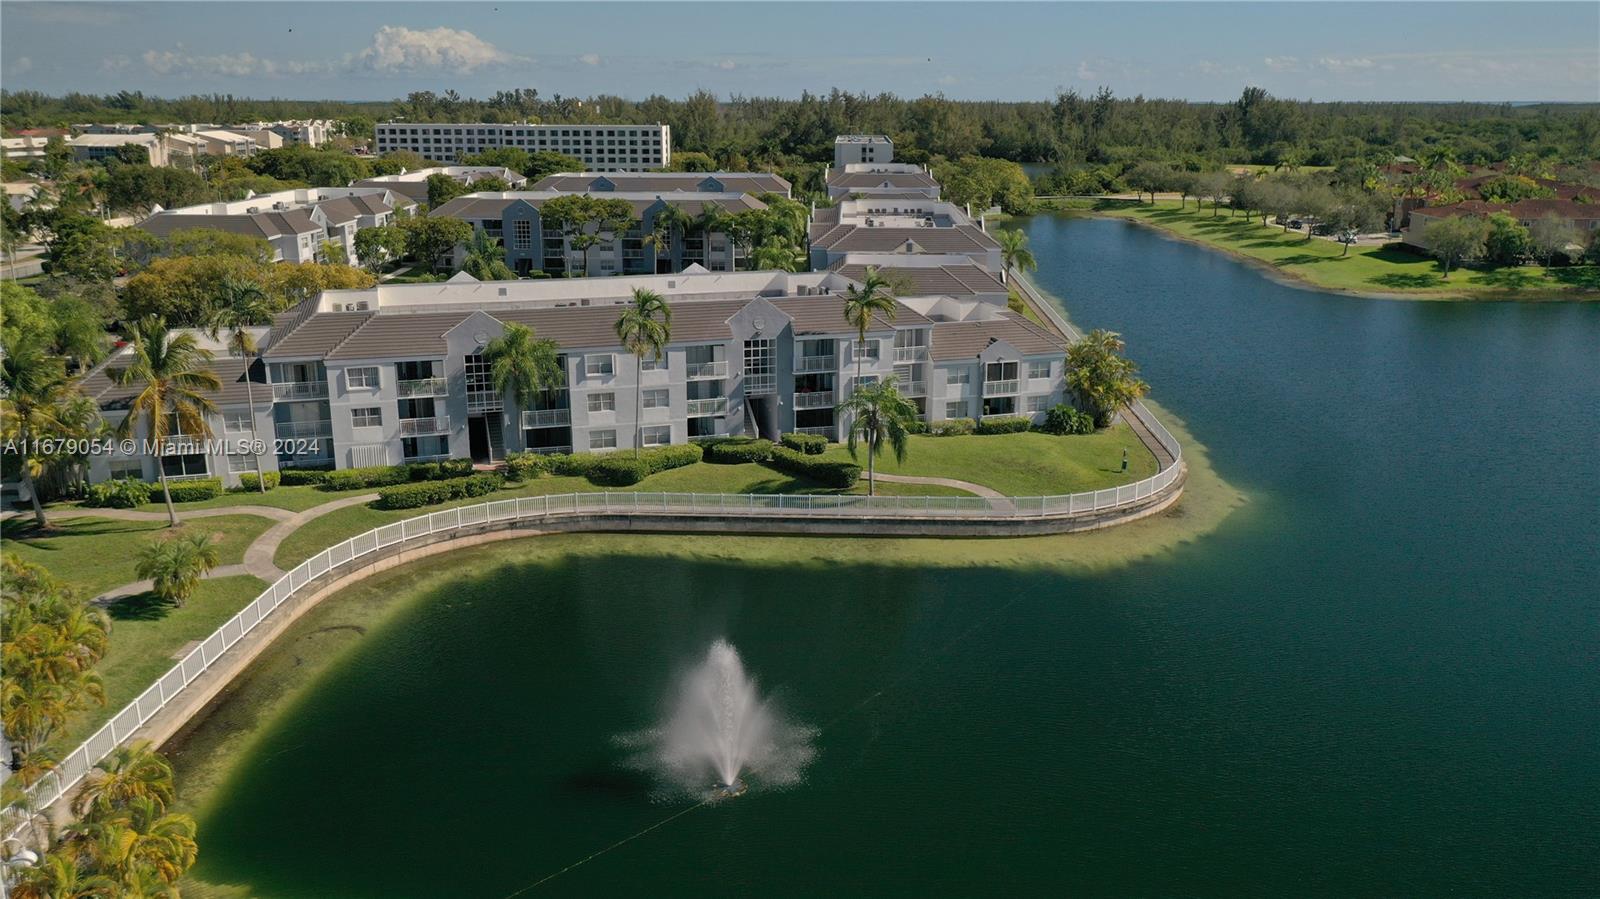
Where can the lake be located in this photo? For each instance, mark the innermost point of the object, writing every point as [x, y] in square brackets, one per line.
[1380, 677]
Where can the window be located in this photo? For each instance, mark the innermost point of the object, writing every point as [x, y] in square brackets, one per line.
[361, 378]
[236, 421]
[958, 376]
[602, 440]
[237, 463]
[955, 410]
[598, 366]
[602, 402]
[1000, 371]
[522, 234]
[366, 417]
[186, 465]
[650, 363]
[127, 469]
[867, 350]
[657, 435]
[1038, 371]
[657, 399]
[1038, 403]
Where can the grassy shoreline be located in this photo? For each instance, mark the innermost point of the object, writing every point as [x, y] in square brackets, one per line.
[1367, 271]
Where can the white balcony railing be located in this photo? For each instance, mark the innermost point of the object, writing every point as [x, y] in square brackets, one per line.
[803, 364]
[816, 399]
[422, 387]
[714, 406]
[545, 418]
[300, 390]
[827, 431]
[296, 430]
[547, 450]
[705, 371]
[999, 388]
[913, 388]
[910, 353]
[416, 427]
[485, 402]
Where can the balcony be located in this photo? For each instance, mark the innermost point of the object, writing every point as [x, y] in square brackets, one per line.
[705, 371]
[418, 427]
[828, 431]
[816, 399]
[547, 450]
[804, 364]
[299, 430]
[546, 418]
[422, 387]
[714, 406]
[910, 353]
[999, 388]
[913, 388]
[300, 390]
[484, 402]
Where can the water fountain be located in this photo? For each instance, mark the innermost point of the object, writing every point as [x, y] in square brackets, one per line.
[719, 729]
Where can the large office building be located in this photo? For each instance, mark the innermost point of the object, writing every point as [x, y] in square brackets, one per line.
[603, 148]
[397, 372]
[296, 223]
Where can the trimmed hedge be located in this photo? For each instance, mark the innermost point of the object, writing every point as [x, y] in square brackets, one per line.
[739, 450]
[302, 477]
[621, 469]
[249, 484]
[810, 444]
[416, 494]
[523, 466]
[123, 493]
[193, 491]
[1010, 424]
[572, 465]
[390, 475]
[828, 472]
[953, 427]
[1064, 419]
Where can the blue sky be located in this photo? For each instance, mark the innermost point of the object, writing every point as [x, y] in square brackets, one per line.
[1198, 51]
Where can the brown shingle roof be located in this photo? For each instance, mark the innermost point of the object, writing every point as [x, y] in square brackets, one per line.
[664, 182]
[945, 280]
[100, 383]
[259, 224]
[966, 340]
[298, 334]
[890, 180]
[846, 238]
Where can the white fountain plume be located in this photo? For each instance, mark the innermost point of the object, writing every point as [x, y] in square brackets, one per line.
[720, 729]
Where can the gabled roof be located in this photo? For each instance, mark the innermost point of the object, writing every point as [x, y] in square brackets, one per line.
[297, 334]
[718, 182]
[945, 280]
[493, 205]
[256, 224]
[100, 385]
[954, 341]
[959, 239]
[884, 180]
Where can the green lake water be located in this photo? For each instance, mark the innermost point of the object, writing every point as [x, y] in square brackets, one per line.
[1379, 677]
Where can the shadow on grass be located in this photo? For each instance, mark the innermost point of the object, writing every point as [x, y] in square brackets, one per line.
[1584, 276]
[27, 532]
[139, 607]
[1306, 259]
[1408, 282]
[1508, 278]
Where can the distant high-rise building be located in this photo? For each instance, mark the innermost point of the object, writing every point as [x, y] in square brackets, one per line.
[602, 148]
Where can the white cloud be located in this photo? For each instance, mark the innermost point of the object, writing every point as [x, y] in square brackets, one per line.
[1085, 72]
[1282, 63]
[397, 49]
[590, 59]
[1335, 64]
[20, 65]
[221, 65]
[113, 64]
[726, 65]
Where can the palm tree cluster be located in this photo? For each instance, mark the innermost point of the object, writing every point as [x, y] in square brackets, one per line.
[175, 566]
[125, 841]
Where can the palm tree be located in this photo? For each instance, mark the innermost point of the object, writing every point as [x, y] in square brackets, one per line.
[131, 772]
[645, 327]
[486, 259]
[173, 371]
[874, 296]
[59, 876]
[522, 362]
[140, 847]
[1014, 250]
[243, 305]
[36, 391]
[176, 566]
[879, 415]
[671, 219]
[778, 254]
[712, 218]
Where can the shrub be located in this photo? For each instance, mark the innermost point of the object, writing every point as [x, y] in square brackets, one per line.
[522, 466]
[248, 482]
[302, 477]
[194, 491]
[828, 472]
[953, 427]
[623, 470]
[119, 494]
[1064, 419]
[810, 444]
[744, 449]
[415, 494]
[572, 464]
[363, 478]
[437, 471]
[1010, 424]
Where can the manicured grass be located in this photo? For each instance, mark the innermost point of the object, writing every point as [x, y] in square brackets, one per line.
[294, 499]
[146, 639]
[1027, 464]
[93, 555]
[1369, 269]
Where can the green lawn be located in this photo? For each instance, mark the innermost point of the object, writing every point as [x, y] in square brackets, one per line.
[146, 639]
[93, 555]
[1371, 269]
[1027, 464]
[294, 499]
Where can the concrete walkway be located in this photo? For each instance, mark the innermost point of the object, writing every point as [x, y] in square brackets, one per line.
[968, 486]
[258, 556]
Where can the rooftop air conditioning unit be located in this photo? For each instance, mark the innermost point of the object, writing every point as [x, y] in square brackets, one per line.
[253, 209]
[361, 306]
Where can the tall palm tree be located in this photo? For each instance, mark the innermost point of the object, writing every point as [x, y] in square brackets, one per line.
[879, 415]
[1014, 249]
[523, 363]
[36, 394]
[712, 218]
[131, 772]
[175, 379]
[644, 327]
[670, 220]
[873, 296]
[242, 305]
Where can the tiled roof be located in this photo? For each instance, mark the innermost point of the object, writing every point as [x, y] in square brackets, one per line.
[397, 334]
[347, 209]
[1522, 209]
[733, 182]
[959, 239]
[967, 340]
[474, 207]
[299, 335]
[258, 224]
[100, 383]
[890, 180]
[944, 280]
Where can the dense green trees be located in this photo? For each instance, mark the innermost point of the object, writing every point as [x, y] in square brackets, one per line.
[1104, 379]
[1455, 240]
[1505, 240]
[50, 641]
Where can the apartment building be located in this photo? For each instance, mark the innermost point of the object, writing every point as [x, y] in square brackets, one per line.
[903, 226]
[626, 148]
[98, 147]
[414, 184]
[531, 243]
[397, 372]
[310, 132]
[880, 181]
[862, 148]
[23, 149]
[295, 223]
[753, 183]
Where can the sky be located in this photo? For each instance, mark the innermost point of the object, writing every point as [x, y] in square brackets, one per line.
[1495, 51]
